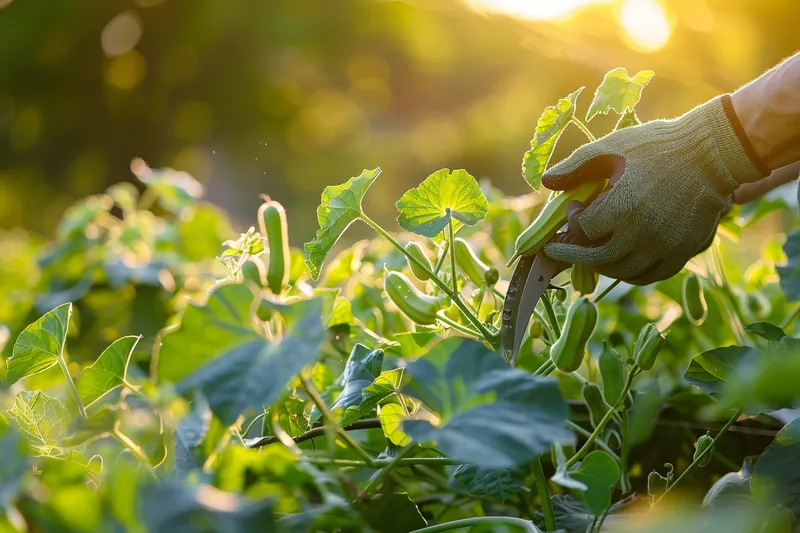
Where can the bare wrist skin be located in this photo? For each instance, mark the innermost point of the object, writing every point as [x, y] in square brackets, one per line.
[769, 111]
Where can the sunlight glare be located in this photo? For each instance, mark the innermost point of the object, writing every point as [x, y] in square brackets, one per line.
[645, 24]
[533, 9]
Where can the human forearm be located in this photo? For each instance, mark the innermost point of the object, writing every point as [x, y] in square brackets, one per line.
[769, 111]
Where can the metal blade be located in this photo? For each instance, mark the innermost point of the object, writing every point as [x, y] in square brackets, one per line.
[530, 279]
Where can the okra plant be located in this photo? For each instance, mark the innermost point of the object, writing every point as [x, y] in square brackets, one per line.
[163, 374]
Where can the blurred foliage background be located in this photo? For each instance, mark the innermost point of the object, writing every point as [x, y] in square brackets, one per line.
[288, 97]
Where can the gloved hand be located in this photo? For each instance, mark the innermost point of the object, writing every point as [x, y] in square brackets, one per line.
[671, 181]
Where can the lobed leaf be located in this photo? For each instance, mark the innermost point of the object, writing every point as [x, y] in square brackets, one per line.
[619, 92]
[427, 209]
[496, 483]
[40, 346]
[340, 207]
[386, 384]
[392, 417]
[599, 472]
[41, 419]
[775, 477]
[108, 372]
[549, 128]
[709, 370]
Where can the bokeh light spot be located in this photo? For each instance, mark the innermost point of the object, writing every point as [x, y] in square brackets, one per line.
[645, 24]
[121, 34]
[126, 71]
[533, 9]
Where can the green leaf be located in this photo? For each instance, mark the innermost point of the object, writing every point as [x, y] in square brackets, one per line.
[496, 483]
[765, 330]
[573, 517]
[427, 209]
[627, 120]
[340, 207]
[40, 346]
[619, 92]
[174, 189]
[361, 369]
[14, 464]
[599, 472]
[190, 432]
[549, 128]
[775, 477]
[79, 215]
[790, 273]
[392, 417]
[108, 372]
[291, 415]
[392, 513]
[41, 418]
[384, 386]
[487, 414]
[216, 349]
[731, 489]
[711, 369]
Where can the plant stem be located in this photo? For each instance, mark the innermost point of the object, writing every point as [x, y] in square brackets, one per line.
[442, 256]
[551, 314]
[135, 450]
[492, 338]
[452, 255]
[600, 443]
[525, 525]
[705, 452]
[544, 494]
[380, 463]
[584, 128]
[791, 318]
[624, 482]
[252, 423]
[73, 388]
[379, 476]
[602, 424]
[456, 326]
[367, 423]
[330, 422]
[546, 369]
[607, 290]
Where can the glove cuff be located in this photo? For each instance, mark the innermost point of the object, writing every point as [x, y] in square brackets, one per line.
[735, 152]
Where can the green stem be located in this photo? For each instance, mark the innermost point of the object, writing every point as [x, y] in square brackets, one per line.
[383, 472]
[525, 525]
[544, 493]
[331, 422]
[602, 424]
[380, 463]
[791, 318]
[700, 457]
[252, 423]
[551, 314]
[492, 338]
[624, 482]
[456, 326]
[607, 290]
[546, 369]
[73, 388]
[584, 128]
[441, 258]
[600, 442]
[452, 255]
[136, 451]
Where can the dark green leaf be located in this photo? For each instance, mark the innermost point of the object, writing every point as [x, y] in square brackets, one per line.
[599, 472]
[361, 369]
[731, 489]
[41, 419]
[765, 330]
[41, 345]
[489, 415]
[549, 128]
[790, 273]
[393, 513]
[618, 91]
[498, 484]
[775, 477]
[427, 209]
[340, 207]
[108, 372]
[14, 464]
[217, 350]
[711, 369]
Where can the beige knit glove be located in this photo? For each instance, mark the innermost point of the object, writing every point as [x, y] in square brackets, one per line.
[671, 182]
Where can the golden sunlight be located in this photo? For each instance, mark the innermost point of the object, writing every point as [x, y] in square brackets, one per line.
[645, 24]
[532, 9]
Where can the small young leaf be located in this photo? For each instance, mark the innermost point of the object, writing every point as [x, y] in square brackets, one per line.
[384, 385]
[392, 417]
[627, 120]
[599, 472]
[426, 210]
[108, 372]
[618, 91]
[549, 128]
[40, 418]
[340, 207]
[40, 346]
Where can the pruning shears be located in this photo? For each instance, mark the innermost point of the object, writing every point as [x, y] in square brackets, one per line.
[531, 278]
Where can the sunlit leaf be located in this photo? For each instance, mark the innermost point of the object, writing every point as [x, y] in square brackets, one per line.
[174, 189]
[291, 415]
[41, 345]
[496, 483]
[41, 419]
[392, 416]
[340, 207]
[81, 214]
[599, 472]
[108, 372]
[427, 209]
[489, 415]
[775, 477]
[549, 128]
[710, 369]
[217, 349]
[627, 120]
[618, 91]
[386, 384]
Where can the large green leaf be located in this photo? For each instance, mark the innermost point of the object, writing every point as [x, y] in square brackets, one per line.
[549, 128]
[776, 478]
[40, 346]
[599, 472]
[216, 349]
[618, 91]
[41, 419]
[790, 273]
[108, 372]
[427, 209]
[340, 207]
[487, 414]
[496, 483]
[13, 466]
[709, 370]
